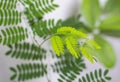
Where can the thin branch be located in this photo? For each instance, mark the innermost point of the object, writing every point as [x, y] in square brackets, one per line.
[45, 41]
[48, 39]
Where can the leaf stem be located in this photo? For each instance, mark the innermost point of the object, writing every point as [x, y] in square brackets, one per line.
[45, 40]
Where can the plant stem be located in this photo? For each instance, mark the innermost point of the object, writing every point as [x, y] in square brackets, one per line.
[46, 39]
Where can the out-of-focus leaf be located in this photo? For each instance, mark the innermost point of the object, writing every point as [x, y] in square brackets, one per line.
[73, 22]
[91, 11]
[106, 54]
[111, 23]
[111, 26]
[112, 6]
[112, 33]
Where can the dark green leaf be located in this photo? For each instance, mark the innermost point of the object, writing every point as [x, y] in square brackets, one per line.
[112, 33]
[13, 35]
[9, 4]
[10, 17]
[95, 77]
[73, 22]
[108, 78]
[26, 51]
[46, 27]
[29, 71]
[106, 72]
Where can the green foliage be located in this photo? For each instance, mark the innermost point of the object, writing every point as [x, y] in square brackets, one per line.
[110, 23]
[96, 76]
[36, 9]
[9, 4]
[106, 52]
[57, 45]
[13, 35]
[28, 71]
[115, 33]
[73, 46]
[71, 31]
[26, 51]
[86, 53]
[91, 11]
[73, 22]
[71, 36]
[89, 48]
[65, 38]
[46, 27]
[9, 17]
[68, 67]
[71, 42]
[112, 6]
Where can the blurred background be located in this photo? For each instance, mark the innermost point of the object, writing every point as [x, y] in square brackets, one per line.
[67, 8]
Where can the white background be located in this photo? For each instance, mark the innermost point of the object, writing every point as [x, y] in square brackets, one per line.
[67, 8]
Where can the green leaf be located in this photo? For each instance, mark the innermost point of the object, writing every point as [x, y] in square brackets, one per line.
[26, 51]
[46, 27]
[57, 45]
[68, 67]
[111, 23]
[71, 31]
[72, 46]
[73, 22]
[112, 6]
[95, 76]
[13, 35]
[29, 71]
[10, 17]
[106, 54]
[111, 26]
[35, 9]
[9, 4]
[91, 11]
[112, 33]
[87, 53]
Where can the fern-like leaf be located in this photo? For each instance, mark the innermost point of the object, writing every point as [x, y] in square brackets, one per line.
[65, 62]
[70, 30]
[29, 71]
[96, 76]
[47, 27]
[26, 51]
[86, 53]
[73, 46]
[57, 45]
[37, 8]
[13, 35]
[68, 67]
[8, 4]
[9, 17]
